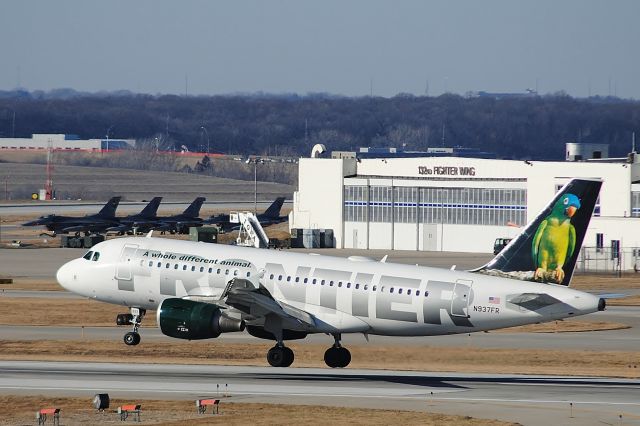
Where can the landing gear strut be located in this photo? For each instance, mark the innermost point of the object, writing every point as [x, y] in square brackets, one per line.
[337, 356]
[132, 338]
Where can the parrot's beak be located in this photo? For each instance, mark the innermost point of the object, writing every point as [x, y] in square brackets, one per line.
[571, 210]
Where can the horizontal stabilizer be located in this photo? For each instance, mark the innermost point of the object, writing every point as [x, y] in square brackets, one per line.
[532, 301]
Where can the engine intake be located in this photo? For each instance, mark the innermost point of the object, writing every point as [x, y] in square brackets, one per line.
[186, 319]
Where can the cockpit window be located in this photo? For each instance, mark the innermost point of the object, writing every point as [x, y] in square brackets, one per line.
[96, 256]
[88, 255]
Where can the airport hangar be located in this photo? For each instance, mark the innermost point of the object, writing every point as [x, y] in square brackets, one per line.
[448, 203]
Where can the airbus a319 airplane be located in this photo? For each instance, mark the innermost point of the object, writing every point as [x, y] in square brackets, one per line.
[202, 290]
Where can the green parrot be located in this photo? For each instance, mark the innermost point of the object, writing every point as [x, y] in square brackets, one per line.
[555, 239]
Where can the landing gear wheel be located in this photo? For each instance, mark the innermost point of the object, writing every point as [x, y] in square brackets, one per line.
[131, 338]
[280, 356]
[337, 357]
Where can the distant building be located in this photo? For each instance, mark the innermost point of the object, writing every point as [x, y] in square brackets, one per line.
[65, 141]
[390, 152]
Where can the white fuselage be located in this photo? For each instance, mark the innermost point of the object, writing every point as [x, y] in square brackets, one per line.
[342, 295]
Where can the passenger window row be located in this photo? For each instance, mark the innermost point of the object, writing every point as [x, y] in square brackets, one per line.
[357, 286]
[193, 268]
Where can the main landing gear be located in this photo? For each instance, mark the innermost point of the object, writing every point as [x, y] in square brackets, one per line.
[280, 356]
[132, 338]
[337, 356]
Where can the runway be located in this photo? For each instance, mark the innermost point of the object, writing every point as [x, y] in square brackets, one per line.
[525, 399]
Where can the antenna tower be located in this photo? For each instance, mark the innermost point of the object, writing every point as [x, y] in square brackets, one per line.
[48, 185]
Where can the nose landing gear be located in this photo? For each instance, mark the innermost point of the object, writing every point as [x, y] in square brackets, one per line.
[132, 338]
[337, 356]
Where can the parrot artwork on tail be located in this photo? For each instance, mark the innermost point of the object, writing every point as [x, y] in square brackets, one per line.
[555, 240]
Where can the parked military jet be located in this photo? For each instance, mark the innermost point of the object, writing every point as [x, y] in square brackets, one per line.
[269, 217]
[139, 222]
[180, 223]
[98, 222]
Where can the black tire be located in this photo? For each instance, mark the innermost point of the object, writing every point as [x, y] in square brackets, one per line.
[289, 357]
[279, 356]
[344, 357]
[331, 357]
[131, 338]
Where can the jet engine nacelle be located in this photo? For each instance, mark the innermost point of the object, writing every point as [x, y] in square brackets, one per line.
[186, 319]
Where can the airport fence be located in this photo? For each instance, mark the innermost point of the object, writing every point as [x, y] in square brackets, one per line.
[608, 260]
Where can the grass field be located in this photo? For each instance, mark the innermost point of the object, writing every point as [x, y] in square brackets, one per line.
[78, 411]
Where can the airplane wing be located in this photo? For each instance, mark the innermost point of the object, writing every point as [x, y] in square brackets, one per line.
[258, 302]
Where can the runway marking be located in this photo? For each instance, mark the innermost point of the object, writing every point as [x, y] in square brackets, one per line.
[575, 385]
[534, 401]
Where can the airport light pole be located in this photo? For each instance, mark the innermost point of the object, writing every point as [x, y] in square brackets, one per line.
[108, 131]
[206, 133]
[255, 162]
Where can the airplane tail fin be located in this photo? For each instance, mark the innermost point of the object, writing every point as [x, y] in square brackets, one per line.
[547, 249]
[274, 209]
[194, 209]
[109, 209]
[152, 208]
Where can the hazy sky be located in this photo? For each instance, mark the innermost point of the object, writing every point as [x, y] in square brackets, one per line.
[335, 46]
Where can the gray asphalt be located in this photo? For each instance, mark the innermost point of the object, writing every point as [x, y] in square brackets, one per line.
[530, 400]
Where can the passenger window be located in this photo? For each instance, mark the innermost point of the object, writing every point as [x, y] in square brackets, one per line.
[184, 267]
[175, 266]
[159, 264]
[409, 292]
[218, 272]
[202, 269]
[235, 273]
[226, 272]
[297, 279]
[322, 282]
[348, 285]
[330, 283]
[279, 277]
[399, 291]
[314, 281]
[88, 255]
[167, 266]
[248, 274]
[305, 280]
[339, 283]
[288, 278]
[210, 270]
[391, 290]
[426, 293]
[150, 263]
[357, 286]
[417, 292]
[96, 256]
[366, 287]
[193, 268]
[271, 276]
[374, 288]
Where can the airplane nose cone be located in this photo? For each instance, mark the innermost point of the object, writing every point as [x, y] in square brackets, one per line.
[64, 276]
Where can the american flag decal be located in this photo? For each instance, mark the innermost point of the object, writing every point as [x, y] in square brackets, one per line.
[495, 300]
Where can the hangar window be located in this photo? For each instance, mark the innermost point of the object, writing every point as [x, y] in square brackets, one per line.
[355, 203]
[88, 255]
